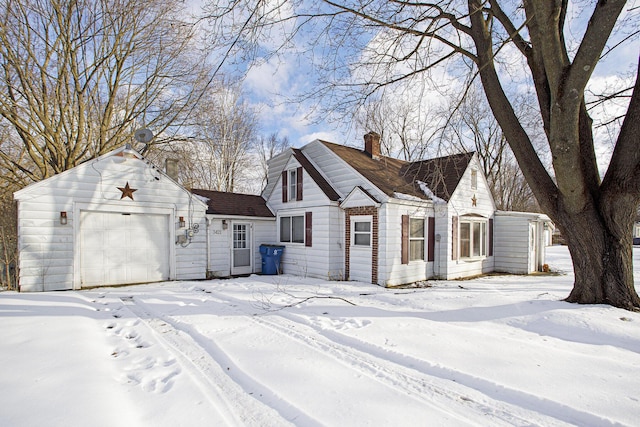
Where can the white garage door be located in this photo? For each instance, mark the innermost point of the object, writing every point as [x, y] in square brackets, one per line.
[117, 248]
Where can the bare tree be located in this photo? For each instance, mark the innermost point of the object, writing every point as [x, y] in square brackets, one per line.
[217, 142]
[8, 239]
[378, 45]
[406, 131]
[77, 78]
[472, 127]
[266, 148]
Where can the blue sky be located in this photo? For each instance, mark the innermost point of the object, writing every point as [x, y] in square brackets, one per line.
[271, 81]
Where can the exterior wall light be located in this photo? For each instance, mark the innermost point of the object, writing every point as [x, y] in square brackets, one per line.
[63, 218]
[181, 222]
[224, 224]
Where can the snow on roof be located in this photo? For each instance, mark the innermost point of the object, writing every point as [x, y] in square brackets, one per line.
[427, 191]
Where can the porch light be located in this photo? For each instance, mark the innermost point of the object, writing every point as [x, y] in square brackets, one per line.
[63, 218]
[224, 224]
[181, 222]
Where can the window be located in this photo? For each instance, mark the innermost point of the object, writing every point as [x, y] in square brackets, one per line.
[473, 238]
[362, 233]
[293, 184]
[292, 229]
[416, 239]
[474, 179]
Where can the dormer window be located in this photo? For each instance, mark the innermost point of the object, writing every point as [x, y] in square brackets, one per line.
[292, 184]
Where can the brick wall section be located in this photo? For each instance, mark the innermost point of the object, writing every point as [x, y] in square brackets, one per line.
[362, 210]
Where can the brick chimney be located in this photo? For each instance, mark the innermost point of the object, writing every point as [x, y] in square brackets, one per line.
[171, 168]
[372, 145]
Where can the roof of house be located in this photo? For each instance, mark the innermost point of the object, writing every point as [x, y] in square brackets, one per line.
[441, 175]
[326, 188]
[222, 203]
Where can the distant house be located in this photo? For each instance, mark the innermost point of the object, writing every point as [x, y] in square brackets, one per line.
[341, 213]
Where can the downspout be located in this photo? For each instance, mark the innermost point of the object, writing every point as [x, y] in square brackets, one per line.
[208, 225]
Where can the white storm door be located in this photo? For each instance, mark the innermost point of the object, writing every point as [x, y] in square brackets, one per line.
[121, 248]
[241, 252]
[361, 249]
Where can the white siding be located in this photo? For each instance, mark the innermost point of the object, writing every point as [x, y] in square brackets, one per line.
[461, 204]
[49, 251]
[512, 241]
[511, 238]
[263, 232]
[391, 271]
[325, 258]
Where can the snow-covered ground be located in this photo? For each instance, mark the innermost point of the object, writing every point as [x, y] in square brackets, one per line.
[284, 350]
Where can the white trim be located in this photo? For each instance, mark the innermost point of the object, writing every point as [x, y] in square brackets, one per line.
[360, 218]
[344, 204]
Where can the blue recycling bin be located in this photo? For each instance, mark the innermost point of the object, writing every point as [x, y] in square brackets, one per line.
[271, 255]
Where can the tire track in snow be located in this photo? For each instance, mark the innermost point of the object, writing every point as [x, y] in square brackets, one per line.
[416, 384]
[238, 406]
[424, 381]
[510, 406]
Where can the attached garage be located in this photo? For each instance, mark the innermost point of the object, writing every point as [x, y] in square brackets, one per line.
[117, 248]
[113, 220]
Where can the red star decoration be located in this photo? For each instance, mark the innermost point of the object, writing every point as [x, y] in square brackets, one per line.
[474, 201]
[127, 191]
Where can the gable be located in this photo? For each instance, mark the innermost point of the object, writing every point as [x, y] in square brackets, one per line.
[121, 176]
[296, 158]
[359, 197]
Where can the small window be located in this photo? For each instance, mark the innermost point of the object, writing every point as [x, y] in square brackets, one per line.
[293, 183]
[474, 179]
[416, 239]
[292, 229]
[362, 233]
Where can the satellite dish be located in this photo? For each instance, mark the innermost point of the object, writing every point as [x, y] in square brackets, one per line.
[143, 135]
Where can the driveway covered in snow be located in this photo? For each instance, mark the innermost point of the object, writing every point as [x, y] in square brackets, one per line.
[284, 350]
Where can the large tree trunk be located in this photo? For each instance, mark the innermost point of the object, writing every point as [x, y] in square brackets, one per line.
[602, 258]
[595, 218]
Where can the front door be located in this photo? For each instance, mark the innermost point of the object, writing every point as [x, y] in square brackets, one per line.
[241, 253]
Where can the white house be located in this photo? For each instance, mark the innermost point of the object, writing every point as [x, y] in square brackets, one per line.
[112, 220]
[347, 213]
[340, 212]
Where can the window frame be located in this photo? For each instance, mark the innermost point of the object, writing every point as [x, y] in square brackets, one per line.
[474, 249]
[290, 228]
[474, 179]
[355, 219]
[292, 184]
[417, 239]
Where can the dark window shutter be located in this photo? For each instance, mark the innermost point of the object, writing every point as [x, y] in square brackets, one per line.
[431, 243]
[284, 186]
[299, 184]
[454, 238]
[490, 236]
[405, 239]
[308, 229]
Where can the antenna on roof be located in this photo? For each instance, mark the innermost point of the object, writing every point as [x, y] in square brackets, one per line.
[145, 136]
